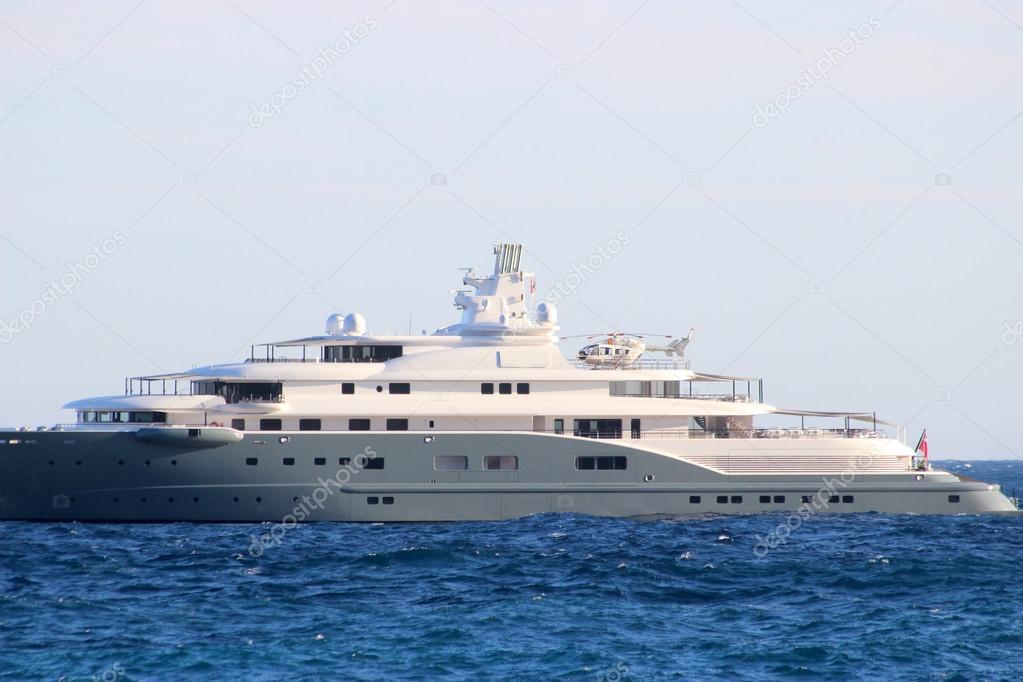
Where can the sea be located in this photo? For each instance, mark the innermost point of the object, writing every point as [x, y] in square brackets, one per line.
[553, 597]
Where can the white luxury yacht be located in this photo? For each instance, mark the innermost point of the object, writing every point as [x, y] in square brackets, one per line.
[484, 419]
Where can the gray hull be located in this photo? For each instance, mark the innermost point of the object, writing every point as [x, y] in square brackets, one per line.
[126, 476]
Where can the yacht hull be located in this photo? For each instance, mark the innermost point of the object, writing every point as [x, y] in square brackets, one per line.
[392, 477]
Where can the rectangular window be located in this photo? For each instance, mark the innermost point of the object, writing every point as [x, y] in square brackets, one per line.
[358, 425]
[487, 389]
[372, 500]
[522, 389]
[375, 463]
[618, 463]
[807, 499]
[320, 461]
[397, 424]
[251, 461]
[736, 499]
[598, 428]
[779, 499]
[431, 423]
[954, 499]
[344, 461]
[347, 389]
[500, 463]
[450, 463]
[399, 389]
[635, 428]
[238, 424]
[694, 499]
[269, 424]
[847, 499]
[833, 499]
[388, 500]
[765, 499]
[504, 389]
[309, 424]
[559, 426]
[289, 461]
[722, 499]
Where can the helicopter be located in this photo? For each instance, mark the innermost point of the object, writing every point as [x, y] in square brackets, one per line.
[617, 349]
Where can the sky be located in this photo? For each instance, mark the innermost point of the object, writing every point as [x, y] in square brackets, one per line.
[827, 192]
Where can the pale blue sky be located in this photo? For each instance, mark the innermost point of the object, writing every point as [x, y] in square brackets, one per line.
[557, 125]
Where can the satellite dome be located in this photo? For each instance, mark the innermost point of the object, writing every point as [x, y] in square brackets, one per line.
[354, 324]
[546, 313]
[335, 324]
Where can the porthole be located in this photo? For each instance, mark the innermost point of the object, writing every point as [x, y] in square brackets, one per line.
[294, 499]
[143, 499]
[649, 478]
[147, 462]
[283, 440]
[78, 462]
[380, 389]
[259, 500]
[174, 462]
[428, 439]
[919, 477]
[170, 499]
[236, 499]
[51, 462]
[117, 499]
[195, 499]
[120, 462]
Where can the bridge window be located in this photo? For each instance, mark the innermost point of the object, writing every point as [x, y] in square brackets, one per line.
[361, 353]
[241, 392]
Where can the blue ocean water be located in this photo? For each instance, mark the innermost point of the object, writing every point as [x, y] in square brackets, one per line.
[544, 598]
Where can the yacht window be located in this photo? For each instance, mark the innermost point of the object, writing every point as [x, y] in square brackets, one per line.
[598, 428]
[806, 499]
[833, 499]
[289, 461]
[361, 353]
[320, 461]
[122, 417]
[374, 463]
[450, 463]
[779, 499]
[736, 499]
[241, 392]
[954, 499]
[397, 424]
[487, 389]
[343, 461]
[238, 424]
[618, 463]
[148, 417]
[722, 499]
[559, 426]
[358, 425]
[522, 389]
[399, 389]
[104, 417]
[347, 389]
[500, 463]
[765, 499]
[251, 461]
[388, 500]
[269, 424]
[309, 424]
[372, 500]
[847, 499]
[694, 499]
[504, 389]
[89, 417]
